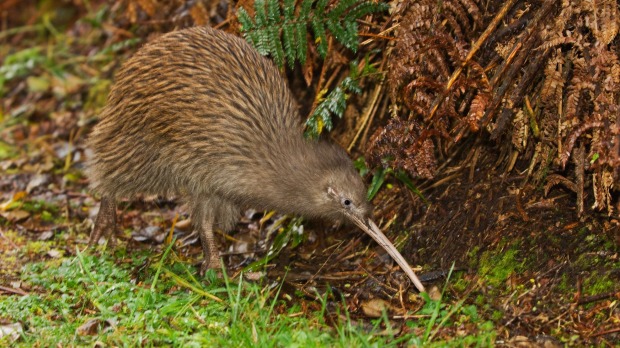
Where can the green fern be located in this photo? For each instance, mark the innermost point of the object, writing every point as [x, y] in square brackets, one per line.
[280, 29]
[336, 101]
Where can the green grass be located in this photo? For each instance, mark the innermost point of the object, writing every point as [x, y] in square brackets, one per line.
[131, 304]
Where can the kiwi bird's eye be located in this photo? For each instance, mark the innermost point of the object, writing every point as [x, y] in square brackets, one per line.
[347, 202]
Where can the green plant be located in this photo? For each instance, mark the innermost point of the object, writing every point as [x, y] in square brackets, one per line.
[443, 315]
[280, 29]
[381, 174]
[495, 266]
[292, 233]
[335, 102]
[20, 64]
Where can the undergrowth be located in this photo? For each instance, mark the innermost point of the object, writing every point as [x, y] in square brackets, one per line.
[280, 28]
[133, 301]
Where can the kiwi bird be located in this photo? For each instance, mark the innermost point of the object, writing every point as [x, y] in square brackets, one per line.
[200, 114]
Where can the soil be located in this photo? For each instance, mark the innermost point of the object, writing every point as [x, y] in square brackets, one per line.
[525, 259]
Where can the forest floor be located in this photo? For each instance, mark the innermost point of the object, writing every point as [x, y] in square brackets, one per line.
[503, 263]
[527, 271]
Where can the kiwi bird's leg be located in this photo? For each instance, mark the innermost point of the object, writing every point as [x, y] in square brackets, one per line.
[105, 224]
[209, 248]
[203, 218]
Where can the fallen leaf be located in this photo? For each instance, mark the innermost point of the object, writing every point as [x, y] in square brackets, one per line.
[375, 307]
[94, 326]
[17, 215]
[47, 235]
[434, 293]
[16, 197]
[253, 276]
[14, 331]
[55, 253]
[65, 85]
[521, 341]
[90, 328]
[38, 83]
[36, 181]
[150, 233]
[184, 224]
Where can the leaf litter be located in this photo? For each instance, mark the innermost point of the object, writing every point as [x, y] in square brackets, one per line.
[559, 274]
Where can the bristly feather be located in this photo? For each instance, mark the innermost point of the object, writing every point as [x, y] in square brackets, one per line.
[199, 113]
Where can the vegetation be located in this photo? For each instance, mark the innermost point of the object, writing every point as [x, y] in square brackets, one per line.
[481, 72]
[281, 29]
[485, 130]
[87, 299]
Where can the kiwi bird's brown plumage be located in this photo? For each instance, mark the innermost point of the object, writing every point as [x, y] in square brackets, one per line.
[200, 114]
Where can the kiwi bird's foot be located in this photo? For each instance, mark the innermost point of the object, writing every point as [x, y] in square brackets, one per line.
[203, 222]
[211, 263]
[105, 224]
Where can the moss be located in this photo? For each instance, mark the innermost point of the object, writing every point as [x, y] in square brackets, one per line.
[472, 255]
[480, 300]
[587, 261]
[46, 216]
[37, 247]
[497, 316]
[38, 206]
[15, 237]
[565, 286]
[496, 266]
[598, 283]
[461, 285]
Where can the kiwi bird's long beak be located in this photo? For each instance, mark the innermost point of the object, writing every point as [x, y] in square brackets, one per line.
[370, 228]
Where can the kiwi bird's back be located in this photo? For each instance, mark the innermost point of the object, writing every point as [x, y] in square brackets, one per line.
[188, 111]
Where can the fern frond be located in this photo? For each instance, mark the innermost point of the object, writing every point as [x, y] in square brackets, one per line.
[366, 8]
[301, 41]
[338, 11]
[289, 10]
[289, 41]
[260, 17]
[320, 6]
[246, 27]
[339, 33]
[320, 37]
[245, 20]
[335, 103]
[280, 28]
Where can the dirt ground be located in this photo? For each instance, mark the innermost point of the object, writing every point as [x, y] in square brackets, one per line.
[528, 262]
[544, 275]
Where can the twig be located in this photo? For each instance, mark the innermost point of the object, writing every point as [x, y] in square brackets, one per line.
[474, 162]
[171, 233]
[370, 112]
[601, 333]
[411, 316]
[223, 23]
[347, 250]
[442, 181]
[13, 290]
[520, 206]
[381, 35]
[364, 139]
[321, 267]
[321, 78]
[598, 297]
[580, 160]
[13, 245]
